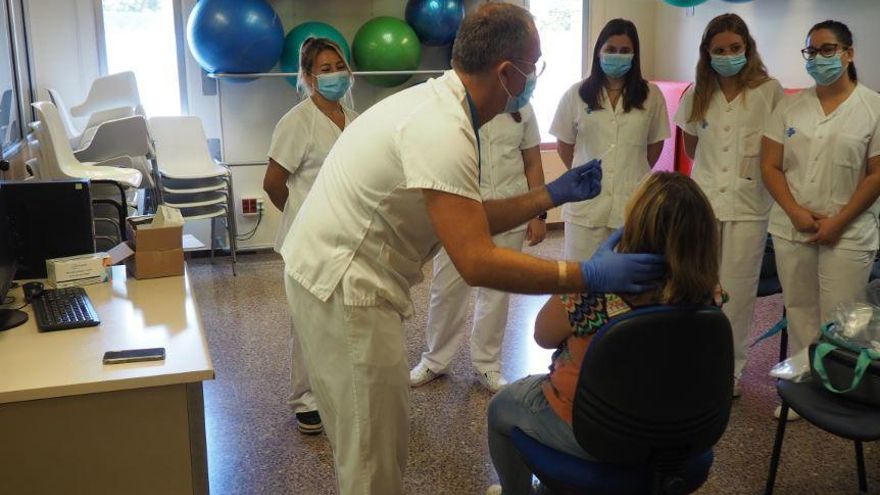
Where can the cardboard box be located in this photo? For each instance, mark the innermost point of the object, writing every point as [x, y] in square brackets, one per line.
[158, 251]
[79, 270]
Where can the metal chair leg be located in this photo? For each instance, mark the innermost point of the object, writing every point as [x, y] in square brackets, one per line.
[783, 339]
[231, 224]
[860, 466]
[777, 449]
[213, 224]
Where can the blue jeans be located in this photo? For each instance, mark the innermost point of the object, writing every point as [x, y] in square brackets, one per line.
[522, 405]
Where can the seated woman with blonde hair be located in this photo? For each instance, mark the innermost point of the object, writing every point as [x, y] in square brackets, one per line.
[668, 214]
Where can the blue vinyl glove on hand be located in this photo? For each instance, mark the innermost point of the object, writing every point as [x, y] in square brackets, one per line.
[578, 184]
[608, 271]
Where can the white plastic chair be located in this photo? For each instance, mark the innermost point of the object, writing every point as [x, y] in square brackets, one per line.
[109, 134]
[111, 92]
[189, 178]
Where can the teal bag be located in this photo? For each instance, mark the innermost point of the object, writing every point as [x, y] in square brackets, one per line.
[834, 358]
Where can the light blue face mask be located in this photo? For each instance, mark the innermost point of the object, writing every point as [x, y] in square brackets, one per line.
[825, 70]
[334, 85]
[728, 65]
[516, 103]
[616, 65]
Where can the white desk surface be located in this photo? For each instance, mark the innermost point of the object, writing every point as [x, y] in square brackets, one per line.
[134, 314]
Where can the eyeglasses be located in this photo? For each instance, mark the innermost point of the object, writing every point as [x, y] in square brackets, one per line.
[826, 50]
[539, 65]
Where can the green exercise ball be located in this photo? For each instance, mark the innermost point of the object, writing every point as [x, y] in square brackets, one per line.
[685, 3]
[295, 38]
[386, 43]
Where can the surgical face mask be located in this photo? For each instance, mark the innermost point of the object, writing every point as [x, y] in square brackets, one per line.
[729, 65]
[334, 85]
[825, 70]
[516, 103]
[616, 65]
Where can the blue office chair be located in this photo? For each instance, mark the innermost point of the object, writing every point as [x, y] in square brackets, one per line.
[831, 412]
[653, 397]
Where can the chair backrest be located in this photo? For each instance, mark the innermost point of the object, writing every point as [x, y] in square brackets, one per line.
[181, 146]
[57, 156]
[655, 382]
[64, 111]
[108, 92]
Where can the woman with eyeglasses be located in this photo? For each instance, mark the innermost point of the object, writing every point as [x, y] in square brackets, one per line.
[300, 143]
[723, 117]
[821, 163]
[614, 115]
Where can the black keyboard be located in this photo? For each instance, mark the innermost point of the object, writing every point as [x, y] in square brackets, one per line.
[62, 309]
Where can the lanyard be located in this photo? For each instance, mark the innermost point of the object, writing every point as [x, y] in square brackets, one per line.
[476, 127]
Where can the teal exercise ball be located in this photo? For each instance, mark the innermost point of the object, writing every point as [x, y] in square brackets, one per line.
[386, 43]
[684, 3]
[295, 38]
[435, 21]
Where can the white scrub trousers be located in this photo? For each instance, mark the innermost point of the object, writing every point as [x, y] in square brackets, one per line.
[742, 252]
[814, 280]
[301, 398]
[581, 242]
[356, 358]
[446, 316]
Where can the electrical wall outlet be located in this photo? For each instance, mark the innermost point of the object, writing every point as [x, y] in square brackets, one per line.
[249, 206]
[261, 206]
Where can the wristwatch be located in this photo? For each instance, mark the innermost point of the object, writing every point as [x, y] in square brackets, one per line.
[543, 216]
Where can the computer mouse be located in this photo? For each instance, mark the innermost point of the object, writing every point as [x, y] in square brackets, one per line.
[32, 290]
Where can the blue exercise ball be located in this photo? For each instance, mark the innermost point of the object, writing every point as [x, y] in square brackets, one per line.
[435, 21]
[235, 35]
[684, 3]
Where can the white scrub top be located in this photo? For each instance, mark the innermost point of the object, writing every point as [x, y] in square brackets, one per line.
[300, 143]
[502, 141]
[825, 158]
[592, 132]
[727, 163]
[365, 223]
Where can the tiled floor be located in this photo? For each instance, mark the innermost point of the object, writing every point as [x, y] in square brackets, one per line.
[254, 447]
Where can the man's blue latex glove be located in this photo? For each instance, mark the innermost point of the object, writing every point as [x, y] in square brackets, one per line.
[608, 271]
[578, 184]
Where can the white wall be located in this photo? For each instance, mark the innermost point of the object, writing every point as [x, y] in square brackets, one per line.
[779, 28]
[64, 46]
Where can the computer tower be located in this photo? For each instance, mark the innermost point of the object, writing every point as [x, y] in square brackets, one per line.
[48, 219]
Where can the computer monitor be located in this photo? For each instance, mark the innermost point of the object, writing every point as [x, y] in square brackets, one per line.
[9, 318]
[48, 219]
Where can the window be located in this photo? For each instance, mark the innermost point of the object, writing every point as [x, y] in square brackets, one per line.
[140, 36]
[561, 26]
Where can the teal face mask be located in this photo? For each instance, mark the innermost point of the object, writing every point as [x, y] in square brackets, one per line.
[616, 65]
[516, 103]
[730, 65]
[825, 70]
[333, 86]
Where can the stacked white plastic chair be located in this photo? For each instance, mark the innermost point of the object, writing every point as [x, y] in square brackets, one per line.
[116, 125]
[113, 180]
[189, 178]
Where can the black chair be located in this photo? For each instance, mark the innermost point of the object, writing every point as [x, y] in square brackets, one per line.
[653, 397]
[768, 285]
[828, 411]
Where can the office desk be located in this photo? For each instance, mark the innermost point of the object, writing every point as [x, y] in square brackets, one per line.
[70, 424]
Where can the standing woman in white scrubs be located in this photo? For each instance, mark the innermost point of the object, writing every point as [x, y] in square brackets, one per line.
[511, 165]
[821, 163]
[301, 141]
[723, 117]
[615, 115]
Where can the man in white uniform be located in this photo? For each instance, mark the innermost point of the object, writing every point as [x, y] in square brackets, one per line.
[401, 180]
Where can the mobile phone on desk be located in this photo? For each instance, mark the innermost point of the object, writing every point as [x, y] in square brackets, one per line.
[134, 355]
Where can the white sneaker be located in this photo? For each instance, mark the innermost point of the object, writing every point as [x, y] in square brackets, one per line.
[491, 379]
[736, 390]
[792, 416]
[493, 490]
[421, 375]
